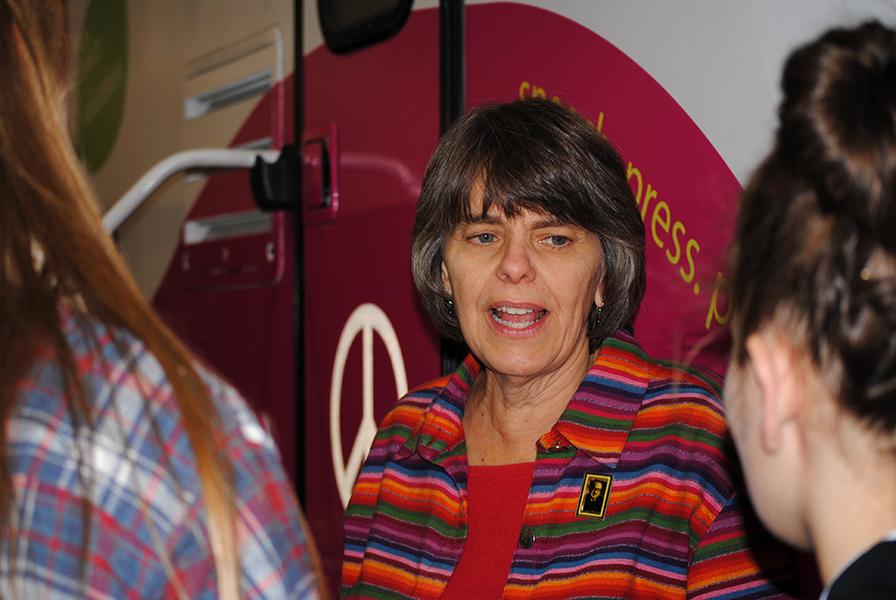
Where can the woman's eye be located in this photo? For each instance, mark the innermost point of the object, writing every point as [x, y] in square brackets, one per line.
[484, 238]
[557, 240]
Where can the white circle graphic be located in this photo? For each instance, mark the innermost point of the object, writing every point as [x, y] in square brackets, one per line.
[365, 319]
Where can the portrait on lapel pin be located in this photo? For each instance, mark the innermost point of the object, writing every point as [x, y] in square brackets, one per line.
[594, 495]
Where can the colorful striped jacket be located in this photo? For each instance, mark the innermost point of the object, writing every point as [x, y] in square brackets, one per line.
[672, 526]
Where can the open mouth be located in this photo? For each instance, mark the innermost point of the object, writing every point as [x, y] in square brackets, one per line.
[515, 317]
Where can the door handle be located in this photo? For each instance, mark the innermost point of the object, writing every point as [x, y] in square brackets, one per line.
[320, 183]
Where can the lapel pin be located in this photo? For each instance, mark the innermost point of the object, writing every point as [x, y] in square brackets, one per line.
[594, 495]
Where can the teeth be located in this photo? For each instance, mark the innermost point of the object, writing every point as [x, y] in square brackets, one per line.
[514, 311]
[514, 324]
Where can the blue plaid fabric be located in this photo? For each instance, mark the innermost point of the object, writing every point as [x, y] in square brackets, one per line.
[134, 465]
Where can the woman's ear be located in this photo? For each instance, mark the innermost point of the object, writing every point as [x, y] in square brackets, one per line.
[771, 360]
[599, 292]
[446, 282]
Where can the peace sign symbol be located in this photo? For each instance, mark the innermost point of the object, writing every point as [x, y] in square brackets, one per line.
[366, 319]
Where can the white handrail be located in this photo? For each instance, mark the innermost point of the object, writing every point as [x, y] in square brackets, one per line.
[199, 159]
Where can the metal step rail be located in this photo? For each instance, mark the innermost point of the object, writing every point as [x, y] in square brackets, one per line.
[200, 159]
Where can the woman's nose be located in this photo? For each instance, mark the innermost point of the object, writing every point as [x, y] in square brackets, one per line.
[516, 264]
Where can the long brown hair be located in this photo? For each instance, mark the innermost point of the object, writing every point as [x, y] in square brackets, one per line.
[816, 235]
[55, 253]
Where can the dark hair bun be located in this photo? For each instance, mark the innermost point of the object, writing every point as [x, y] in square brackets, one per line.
[816, 233]
[838, 120]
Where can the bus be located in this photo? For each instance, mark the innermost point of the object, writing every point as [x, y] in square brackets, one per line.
[288, 270]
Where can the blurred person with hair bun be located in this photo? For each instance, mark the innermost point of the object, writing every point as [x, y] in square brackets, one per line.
[811, 393]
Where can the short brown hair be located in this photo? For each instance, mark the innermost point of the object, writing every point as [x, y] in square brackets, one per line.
[540, 156]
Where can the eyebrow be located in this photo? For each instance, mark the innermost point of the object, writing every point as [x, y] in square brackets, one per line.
[546, 222]
[483, 220]
[550, 221]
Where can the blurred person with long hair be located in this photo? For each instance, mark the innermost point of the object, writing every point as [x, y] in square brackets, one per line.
[128, 469]
[811, 393]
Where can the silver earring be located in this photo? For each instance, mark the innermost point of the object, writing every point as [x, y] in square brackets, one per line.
[600, 309]
[449, 304]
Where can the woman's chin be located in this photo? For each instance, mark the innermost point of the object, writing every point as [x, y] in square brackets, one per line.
[779, 512]
[519, 360]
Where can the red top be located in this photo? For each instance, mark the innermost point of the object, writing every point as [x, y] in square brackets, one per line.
[496, 508]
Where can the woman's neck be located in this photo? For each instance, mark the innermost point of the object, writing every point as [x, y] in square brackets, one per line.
[853, 503]
[505, 416]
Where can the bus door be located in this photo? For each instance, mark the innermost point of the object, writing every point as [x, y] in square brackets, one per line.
[371, 121]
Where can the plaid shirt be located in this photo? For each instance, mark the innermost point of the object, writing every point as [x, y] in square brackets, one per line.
[665, 522]
[148, 524]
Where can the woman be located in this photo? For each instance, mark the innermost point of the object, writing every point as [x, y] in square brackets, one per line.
[128, 470]
[558, 461]
[812, 387]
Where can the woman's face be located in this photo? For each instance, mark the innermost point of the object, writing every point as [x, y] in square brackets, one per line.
[522, 290]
